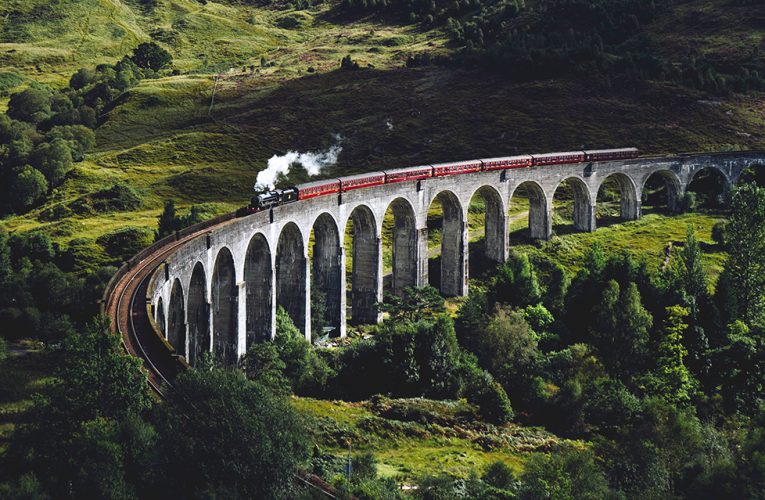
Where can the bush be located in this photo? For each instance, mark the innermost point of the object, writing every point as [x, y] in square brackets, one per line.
[348, 64]
[119, 197]
[499, 475]
[242, 442]
[149, 55]
[27, 187]
[720, 233]
[31, 105]
[54, 160]
[124, 243]
[567, 474]
[484, 392]
[689, 202]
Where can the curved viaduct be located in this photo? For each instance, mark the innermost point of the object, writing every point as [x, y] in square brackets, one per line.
[215, 287]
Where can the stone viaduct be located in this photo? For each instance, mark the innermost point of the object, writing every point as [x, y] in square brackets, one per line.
[220, 291]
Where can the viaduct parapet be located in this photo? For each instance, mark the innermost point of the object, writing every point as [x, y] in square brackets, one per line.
[219, 291]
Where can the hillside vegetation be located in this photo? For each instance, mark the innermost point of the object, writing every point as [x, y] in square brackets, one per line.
[255, 81]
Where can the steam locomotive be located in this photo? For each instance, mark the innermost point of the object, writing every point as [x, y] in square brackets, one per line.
[270, 199]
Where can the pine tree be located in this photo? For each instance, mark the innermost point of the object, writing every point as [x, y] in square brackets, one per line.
[746, 254]
[673, 382]
[621, 328]
[168, 221]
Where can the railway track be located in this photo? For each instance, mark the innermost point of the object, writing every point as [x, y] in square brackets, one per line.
[125, 303]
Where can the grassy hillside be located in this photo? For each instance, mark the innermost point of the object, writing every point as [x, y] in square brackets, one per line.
[202, 136]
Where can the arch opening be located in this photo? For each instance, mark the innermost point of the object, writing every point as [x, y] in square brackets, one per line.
[572, 209]
[291, 274]
[225, 296]
[326, 284]
[486, 230]
[617, 188]
[447, 230]
[661, 190]
[753, 174]
[160, 317]
[708, 188]
[363, 246]
[399, 235]
[198, 315]
[258, 279]
[528, 213]
[176, 320]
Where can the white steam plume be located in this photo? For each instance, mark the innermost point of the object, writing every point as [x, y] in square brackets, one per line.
[313, 162]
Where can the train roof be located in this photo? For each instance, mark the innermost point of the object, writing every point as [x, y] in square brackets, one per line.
[322, 182]
[559, 153]
[408, 169]
[616, 150]
[360, 176]
[502, 158]
[455, 163]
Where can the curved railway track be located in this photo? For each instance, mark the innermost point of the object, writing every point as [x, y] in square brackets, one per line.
[125, 303]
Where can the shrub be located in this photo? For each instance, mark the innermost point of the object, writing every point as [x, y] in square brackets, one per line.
[149, 55]
[720, 233]
[27, 187]
[30, 105]
[124, 243]
[689, 202]
[499, 475]
[119, 197]
[348, 64]
[483, 391]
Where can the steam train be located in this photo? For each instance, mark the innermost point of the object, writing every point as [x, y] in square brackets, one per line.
[270, 199]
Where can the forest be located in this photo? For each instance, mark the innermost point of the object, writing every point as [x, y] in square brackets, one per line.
[624, 363]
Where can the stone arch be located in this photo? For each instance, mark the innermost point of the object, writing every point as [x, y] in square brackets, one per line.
[453, 269]
[712, 185]
[628, 195]
[539, 211]
[584, 210]
[662, 179]
[291, 275]
[176, 319]
[366, 282]
[198, 315]
[495, 222]
[325, 268]
[258, 279]
[754, 173]
[225, 296]
[404, 245]
[159, 316]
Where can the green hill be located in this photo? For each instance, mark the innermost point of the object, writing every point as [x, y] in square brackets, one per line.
[201, 136]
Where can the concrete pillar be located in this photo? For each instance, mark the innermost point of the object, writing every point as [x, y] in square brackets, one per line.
[404, 247]
[293, 290]
[367, 269]
[673, 197]
[422, 256]
[272, 293]
[343, 327]
[225, 299]
[241, 322]
[630, 207]
[325, 269]
[454, 246]
[380, 283]
[259, 304]
[495, 224]
[540, 219]
[305, 327]
[584, 216]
